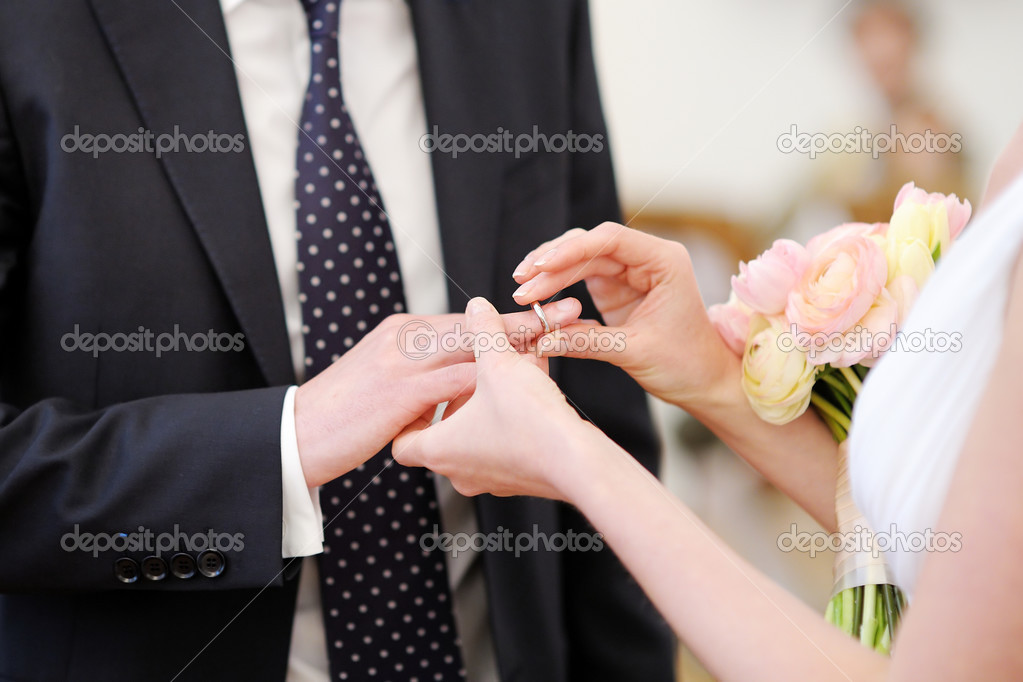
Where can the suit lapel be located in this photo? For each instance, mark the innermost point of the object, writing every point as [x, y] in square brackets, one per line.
[460, 98]
[173, 56]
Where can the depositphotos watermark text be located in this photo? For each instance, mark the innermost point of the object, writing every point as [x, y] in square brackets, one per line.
[505, 540]
[862, 141]
[145, 540]
[143, 141]
[504, 141]
[862, 539]
[145, 340]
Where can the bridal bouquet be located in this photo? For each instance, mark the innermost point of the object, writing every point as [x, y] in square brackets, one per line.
[809, 322]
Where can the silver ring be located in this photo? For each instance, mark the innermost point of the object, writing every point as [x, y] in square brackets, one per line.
[543, 318]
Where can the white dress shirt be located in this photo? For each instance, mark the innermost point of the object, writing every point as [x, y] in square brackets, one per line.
[382, 88]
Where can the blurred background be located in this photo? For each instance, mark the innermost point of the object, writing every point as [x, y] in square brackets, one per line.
[704, 98]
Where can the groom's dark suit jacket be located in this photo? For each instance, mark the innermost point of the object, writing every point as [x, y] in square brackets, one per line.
[123, 440]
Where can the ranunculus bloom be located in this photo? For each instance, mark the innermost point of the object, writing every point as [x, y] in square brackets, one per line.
[957, 213]
[839, 287]
[872, 335]
[776, 377]
[732, 322]
[765, 282]
[822, 241]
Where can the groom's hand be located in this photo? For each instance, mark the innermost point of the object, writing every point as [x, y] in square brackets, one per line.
[398, 371]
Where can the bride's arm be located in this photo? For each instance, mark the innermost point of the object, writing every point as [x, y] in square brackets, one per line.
[647, 293]
[738, 622]
[962, 624]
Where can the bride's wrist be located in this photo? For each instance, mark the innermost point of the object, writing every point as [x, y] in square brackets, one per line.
[582, 462]
[721, 394]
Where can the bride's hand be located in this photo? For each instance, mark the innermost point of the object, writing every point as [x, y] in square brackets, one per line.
[514, 434]
[645, 289]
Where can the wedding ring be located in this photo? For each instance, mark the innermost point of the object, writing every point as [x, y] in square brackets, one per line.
[543, 318]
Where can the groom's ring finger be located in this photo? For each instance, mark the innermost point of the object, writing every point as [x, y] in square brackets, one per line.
[543, 317]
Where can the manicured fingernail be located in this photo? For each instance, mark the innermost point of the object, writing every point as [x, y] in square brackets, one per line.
[522, 268]
[564, 305]
[546, 257]
[522, 290]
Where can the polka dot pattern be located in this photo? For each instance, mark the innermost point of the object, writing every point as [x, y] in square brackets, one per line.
[386, 601]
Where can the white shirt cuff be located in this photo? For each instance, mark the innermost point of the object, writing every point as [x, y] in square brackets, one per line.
[302, 529]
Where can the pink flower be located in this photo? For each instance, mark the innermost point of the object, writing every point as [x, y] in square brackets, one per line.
[958, 211]
[765, 282]
[822, 241]
[871, 336]
[839, 287]
[732, 322]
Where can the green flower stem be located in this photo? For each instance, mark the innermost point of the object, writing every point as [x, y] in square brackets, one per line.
[827, 408]
[837, 431]
[868, 629]
[848, 611]
[882, 620]
[839, 390]
[885, 645]
[852, 378]
[842, 388]
[857, 610]
[888, 600]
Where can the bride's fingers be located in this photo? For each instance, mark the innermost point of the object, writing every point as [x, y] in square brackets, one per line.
[547, 284]
[622, 244]
[445, 340]
[586, 341]
[525, 268]
[490, 342]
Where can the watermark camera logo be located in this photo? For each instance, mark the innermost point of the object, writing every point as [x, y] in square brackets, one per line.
[145, 540]
[504, 141]
[861, 339]
[417, 340]
[147, 341]
[862, 539]
[863, 141]
[145, 141]
[504, 540]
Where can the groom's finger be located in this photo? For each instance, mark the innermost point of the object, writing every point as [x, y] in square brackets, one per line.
[490, 342]
[407, 447]
[444, 339]
[558, 313]
[587, 342]
[444, 384]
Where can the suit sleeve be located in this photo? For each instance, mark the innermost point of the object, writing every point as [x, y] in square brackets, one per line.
[605, 605]
[81, 488]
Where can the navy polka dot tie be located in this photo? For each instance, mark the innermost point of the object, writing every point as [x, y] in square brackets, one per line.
[386, 601]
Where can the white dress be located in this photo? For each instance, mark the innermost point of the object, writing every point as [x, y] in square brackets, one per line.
[912, 417]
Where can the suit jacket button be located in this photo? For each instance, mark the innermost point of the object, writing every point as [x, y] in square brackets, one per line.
[126, 570]
[154, 568]
[211, 563]
[182, 566]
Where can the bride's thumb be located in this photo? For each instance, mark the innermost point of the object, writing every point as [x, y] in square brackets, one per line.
[490, 341]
